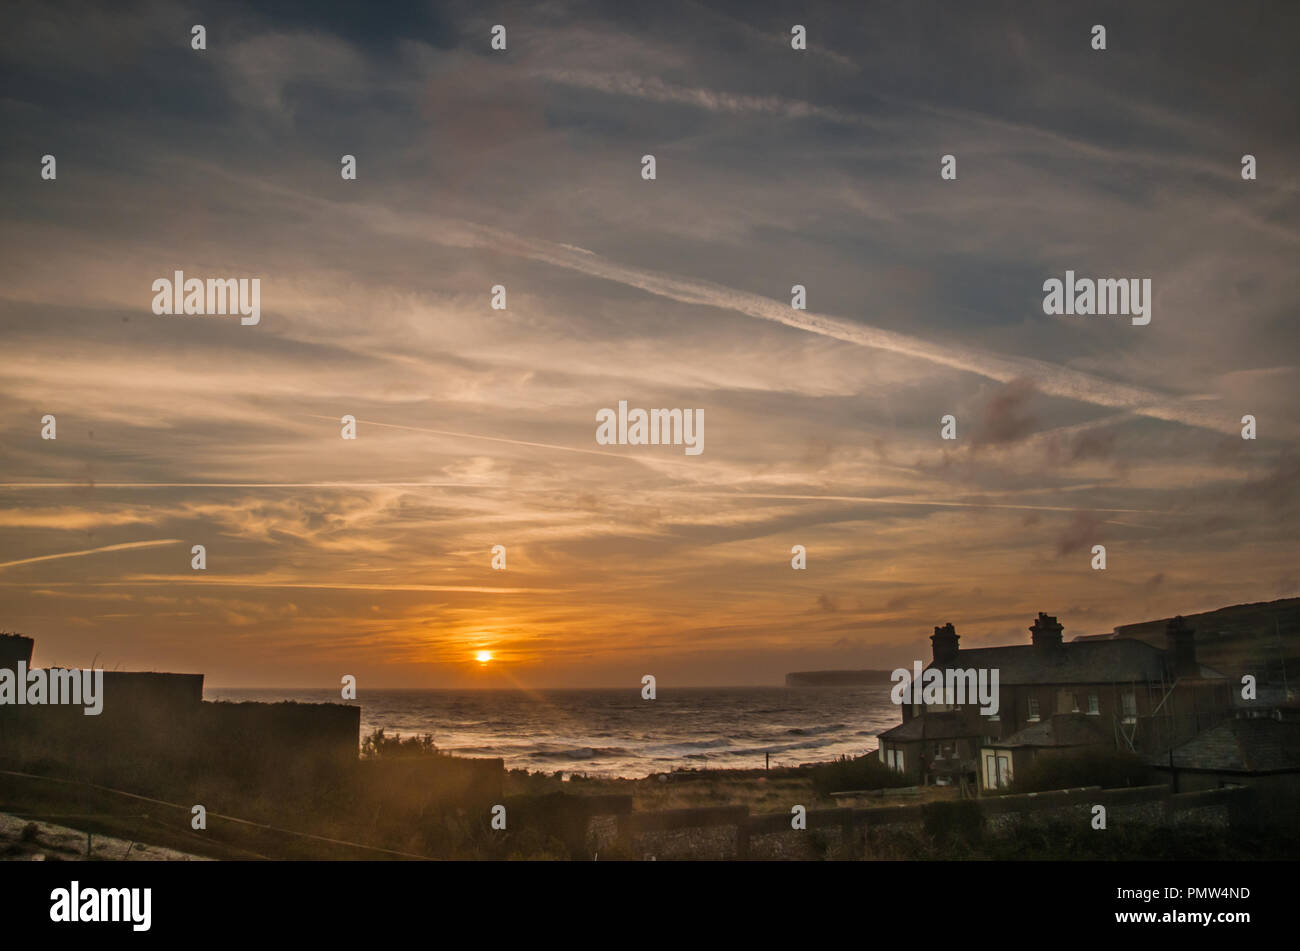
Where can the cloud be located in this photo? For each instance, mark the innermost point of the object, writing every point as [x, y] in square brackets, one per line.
[1004, 418]
[776, 167]
[657, 90]
[1081, 532]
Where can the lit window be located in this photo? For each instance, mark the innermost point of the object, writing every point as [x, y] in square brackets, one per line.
[997, 770]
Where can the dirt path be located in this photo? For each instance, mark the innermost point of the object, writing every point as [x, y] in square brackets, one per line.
[25, 840]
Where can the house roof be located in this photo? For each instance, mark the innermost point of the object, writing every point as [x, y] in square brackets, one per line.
[1250, 745]
[1063, 729]
[1074, 662]
[930, 726]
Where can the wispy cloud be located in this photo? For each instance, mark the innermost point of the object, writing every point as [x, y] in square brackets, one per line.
[776, 167]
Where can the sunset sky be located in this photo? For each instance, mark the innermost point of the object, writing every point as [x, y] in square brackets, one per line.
[476, 427]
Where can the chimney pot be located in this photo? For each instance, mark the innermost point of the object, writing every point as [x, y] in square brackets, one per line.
[944, 642]
[1046, 631]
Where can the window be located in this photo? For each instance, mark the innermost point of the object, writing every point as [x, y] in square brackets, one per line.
[997, 770]
[1130, 707]
[1094, 707]
[898, 761]
[1074, 703]
[1033, 708]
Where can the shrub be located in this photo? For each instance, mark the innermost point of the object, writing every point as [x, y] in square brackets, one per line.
[858, 772]
[378, 744]
[1105, 768]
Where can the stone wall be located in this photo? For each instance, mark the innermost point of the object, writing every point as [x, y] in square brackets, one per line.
[730, 832]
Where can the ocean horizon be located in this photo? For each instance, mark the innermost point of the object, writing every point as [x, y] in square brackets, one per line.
[613, 733]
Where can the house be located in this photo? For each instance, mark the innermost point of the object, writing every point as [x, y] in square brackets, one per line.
[930, 749]
[1000, 761]
[1137, 696]
[1258, 751]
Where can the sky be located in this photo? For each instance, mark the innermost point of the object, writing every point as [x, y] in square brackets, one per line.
[476, 426]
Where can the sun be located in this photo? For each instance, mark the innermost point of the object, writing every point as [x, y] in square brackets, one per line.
[483, 656]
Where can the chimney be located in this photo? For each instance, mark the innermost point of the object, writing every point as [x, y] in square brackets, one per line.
[1180, 641]
[1046, 632]
[945, 641]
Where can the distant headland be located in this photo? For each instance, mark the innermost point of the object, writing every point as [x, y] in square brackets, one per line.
[836, 678]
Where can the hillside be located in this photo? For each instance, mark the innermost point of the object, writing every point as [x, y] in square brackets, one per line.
[1244, 638]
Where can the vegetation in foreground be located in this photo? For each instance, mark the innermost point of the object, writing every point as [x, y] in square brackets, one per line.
[394, 799]
[1108, 769]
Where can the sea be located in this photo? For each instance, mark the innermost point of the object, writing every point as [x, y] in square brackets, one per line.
[615, 733]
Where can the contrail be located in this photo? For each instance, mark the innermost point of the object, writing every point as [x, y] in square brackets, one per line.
[150, 581]
[713, 100]
[1050, 378]
[738, 496]
[90, 484]
[125, 546]
[889, 501]
[512, 442]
